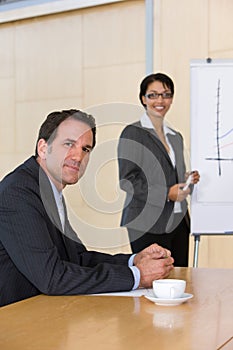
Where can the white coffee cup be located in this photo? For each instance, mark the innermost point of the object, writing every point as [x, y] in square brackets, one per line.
[169, 288]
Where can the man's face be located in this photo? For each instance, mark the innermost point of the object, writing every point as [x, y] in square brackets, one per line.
[66, 158]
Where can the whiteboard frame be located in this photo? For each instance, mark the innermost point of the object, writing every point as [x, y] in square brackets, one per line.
[197, 209]
[203, 216]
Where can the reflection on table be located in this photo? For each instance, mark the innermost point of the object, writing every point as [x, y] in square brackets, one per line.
[113, 322]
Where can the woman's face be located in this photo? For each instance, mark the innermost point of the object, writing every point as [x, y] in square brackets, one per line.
[157, 105]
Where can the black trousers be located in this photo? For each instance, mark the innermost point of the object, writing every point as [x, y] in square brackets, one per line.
[177, 241]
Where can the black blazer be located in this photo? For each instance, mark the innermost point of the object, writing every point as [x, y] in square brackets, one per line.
[146, 173]
[35, 257]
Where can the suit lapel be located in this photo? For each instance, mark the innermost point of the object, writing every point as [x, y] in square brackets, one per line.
[153, 136]
[173, 141]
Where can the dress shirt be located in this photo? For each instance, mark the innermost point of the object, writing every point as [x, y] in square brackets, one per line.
[59, 202]
[147, 123]
[136, 272]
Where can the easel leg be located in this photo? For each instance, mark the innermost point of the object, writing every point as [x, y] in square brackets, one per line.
[196, 250]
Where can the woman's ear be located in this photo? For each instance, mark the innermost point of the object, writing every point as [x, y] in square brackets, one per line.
[144, 100]
[42, 148]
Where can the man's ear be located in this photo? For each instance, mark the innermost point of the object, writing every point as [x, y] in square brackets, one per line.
[42, 148]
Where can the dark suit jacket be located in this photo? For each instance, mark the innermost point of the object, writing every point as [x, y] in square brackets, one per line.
[35, 257]
[146, 173]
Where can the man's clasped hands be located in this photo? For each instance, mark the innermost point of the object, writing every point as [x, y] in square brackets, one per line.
[154, 262]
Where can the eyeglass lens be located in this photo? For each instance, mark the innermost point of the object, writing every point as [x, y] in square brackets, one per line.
[155, 95]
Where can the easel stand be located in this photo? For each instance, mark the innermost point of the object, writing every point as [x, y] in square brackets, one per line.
[197, 238]
[196, 249]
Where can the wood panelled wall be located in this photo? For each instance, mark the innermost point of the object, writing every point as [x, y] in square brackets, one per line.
[94, 59]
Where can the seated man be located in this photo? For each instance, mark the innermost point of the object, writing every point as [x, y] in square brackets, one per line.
[39, 251]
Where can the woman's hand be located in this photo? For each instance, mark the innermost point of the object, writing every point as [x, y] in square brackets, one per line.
[177, 194]
[195, 176]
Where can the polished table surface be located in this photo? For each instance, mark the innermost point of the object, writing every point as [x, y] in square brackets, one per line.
[125, 323]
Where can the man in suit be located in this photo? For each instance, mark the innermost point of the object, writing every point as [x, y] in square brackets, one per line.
[39, 251]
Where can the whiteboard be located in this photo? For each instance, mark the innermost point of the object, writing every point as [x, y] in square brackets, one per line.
[212, 145]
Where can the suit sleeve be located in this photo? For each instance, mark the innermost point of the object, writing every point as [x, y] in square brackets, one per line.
[37, 250]
[140, 173]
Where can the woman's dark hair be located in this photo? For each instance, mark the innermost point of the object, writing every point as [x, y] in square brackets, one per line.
[48, 129]
[163, 78]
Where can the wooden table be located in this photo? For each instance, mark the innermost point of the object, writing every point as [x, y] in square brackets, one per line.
[125, 323]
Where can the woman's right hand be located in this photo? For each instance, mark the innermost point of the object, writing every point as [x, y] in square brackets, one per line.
[177, 194]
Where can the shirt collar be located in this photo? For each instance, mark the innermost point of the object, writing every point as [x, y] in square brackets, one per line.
[57, 194]
[147, 123]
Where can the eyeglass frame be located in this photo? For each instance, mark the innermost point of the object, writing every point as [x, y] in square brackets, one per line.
[164, 95]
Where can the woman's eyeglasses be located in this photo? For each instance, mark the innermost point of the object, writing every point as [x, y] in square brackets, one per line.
[155, 95]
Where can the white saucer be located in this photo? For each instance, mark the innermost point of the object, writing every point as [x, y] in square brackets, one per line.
[169, 302]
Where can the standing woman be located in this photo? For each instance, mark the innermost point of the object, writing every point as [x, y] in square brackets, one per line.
[152, 173]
